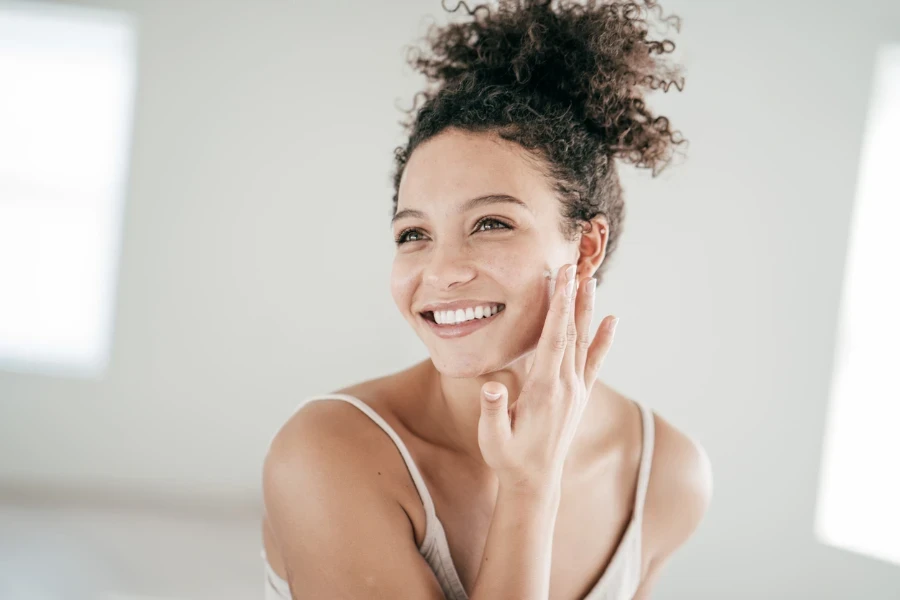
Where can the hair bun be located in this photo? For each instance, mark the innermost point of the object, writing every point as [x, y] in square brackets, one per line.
[595, 59]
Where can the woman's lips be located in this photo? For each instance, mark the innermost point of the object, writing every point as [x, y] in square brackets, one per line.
[461, 329]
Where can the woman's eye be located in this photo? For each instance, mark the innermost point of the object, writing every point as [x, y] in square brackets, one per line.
[494, 224]
[404, 236]
[495, 221]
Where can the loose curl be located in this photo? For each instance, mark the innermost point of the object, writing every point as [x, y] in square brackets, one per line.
[563, 80]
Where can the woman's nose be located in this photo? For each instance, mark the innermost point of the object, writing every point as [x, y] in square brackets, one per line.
[447, 266]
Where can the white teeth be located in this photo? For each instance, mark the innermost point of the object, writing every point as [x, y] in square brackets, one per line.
[451, 317]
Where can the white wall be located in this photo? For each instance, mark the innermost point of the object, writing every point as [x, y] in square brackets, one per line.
[256, 254]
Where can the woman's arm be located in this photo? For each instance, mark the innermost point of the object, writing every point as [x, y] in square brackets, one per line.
[678, 497]
[516, 559]
[338, 533]
[342, 534]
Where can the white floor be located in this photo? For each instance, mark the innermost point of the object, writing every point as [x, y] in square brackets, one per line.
[51, 551]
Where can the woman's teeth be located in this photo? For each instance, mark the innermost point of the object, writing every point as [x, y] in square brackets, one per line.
[453, 317]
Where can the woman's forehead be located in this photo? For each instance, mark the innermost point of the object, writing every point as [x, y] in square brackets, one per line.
[456, 166]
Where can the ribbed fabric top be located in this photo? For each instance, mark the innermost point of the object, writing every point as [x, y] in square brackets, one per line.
[619, 581]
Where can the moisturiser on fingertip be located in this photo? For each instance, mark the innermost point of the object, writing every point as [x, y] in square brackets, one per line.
[551, 275]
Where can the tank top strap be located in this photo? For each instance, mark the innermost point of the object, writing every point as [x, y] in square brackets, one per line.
[430, 515]
[646, 459]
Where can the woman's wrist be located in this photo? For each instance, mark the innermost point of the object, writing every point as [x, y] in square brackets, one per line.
[537, 492]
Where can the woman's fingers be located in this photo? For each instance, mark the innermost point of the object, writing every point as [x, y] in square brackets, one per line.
[568, 367]
[598, 350]
[584, 315]
[552, 345]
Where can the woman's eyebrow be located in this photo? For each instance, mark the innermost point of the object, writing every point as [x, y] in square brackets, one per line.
[467, 205]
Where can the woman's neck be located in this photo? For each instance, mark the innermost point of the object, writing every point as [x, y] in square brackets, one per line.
[445, 411]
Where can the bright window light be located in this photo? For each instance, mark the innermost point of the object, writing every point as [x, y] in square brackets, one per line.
[859, 488]
[66, 91]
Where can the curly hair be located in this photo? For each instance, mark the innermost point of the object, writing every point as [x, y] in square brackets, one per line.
[563, 80]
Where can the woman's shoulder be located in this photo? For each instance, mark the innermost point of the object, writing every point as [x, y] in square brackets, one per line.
[328, 414]
[321, 447]
[334, 435]
[325, 421]
[679, 490]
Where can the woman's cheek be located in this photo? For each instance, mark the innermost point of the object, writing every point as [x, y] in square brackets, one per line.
[402, 277]
[515, 266]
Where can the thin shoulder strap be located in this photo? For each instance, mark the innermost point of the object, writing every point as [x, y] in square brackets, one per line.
[623, 572]
[407, 458]
[646, 459]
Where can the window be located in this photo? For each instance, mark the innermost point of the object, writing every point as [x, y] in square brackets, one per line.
[859, 487]
[67, 77]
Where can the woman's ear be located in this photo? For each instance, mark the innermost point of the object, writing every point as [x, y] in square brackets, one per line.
[592, 246]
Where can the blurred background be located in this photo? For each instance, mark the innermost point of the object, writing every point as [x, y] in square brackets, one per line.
[194, 235]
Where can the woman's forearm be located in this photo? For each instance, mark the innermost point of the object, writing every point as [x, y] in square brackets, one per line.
[516, 559]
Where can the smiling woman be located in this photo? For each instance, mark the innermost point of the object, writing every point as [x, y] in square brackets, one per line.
[508, 468]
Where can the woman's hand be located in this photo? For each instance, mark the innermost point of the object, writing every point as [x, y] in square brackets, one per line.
[527, 445]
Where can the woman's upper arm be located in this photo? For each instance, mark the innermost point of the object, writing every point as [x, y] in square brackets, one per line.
[339, 533]
[678, 497]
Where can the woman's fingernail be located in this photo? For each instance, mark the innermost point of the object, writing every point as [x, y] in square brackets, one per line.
[612, 325]
[570, 272]
[590, 286]
[570, 288]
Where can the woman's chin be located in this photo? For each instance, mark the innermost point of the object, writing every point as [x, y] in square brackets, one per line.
[458, 368]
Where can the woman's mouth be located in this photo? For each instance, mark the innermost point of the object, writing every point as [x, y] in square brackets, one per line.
[458, 323]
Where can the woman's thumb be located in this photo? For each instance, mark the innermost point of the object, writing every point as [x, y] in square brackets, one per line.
[494, 410]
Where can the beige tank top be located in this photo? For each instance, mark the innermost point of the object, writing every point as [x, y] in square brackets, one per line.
[619, 581]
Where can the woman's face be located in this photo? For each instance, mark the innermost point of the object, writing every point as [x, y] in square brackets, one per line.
[460, 244]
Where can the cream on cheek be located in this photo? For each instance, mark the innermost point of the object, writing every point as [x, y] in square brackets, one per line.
[551, 274]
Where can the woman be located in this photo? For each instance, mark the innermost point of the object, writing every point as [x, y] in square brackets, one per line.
[501, 467]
